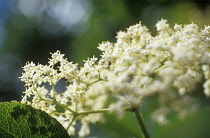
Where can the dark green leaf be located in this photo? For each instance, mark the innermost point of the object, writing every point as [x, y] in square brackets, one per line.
[22, 121]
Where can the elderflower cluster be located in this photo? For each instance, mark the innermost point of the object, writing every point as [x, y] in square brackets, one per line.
[172, 64]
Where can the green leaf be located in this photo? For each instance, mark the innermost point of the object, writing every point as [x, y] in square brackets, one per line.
[22, 121]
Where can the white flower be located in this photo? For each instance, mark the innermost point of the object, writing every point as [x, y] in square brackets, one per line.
[160, 116]
[206, 86]
[162, 25]
[170, 65]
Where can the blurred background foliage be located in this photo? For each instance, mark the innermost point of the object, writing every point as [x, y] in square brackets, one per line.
[31, 29]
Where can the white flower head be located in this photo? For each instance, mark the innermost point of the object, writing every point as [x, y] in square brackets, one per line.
[170, 65]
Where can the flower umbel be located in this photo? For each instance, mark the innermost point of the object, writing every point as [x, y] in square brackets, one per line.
[171, 64]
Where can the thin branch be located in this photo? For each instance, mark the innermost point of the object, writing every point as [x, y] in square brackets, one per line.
[141, 122]
[74, 118]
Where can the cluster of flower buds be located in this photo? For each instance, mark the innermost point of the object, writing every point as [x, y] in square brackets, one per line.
[171, 65]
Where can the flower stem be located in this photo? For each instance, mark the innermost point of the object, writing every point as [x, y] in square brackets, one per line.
[141, 123]
[93, 112]
[99, 111]
[73, 119]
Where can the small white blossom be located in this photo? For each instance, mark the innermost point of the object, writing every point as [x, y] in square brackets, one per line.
[206, 86]
[162, 25]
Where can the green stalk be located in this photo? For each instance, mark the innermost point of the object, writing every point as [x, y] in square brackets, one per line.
[100, 111]
[73, 119]
[141, 122]
[93, 112]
